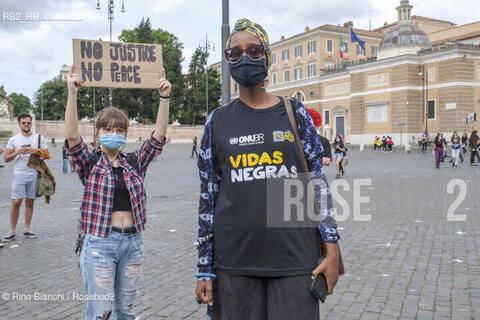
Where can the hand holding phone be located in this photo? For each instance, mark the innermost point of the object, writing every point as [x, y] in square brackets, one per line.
[25, 149]
[319, 287]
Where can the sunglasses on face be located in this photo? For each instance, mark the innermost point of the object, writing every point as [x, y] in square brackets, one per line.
[254, 52]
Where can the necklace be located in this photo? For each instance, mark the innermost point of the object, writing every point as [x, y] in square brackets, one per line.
[113, 160]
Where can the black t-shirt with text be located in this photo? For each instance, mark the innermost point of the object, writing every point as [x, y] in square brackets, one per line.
[249, 147]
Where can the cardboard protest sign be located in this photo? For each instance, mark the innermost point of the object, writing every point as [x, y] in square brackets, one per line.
[117, 64]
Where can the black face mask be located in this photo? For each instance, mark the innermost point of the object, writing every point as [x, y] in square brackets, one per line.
[249, 73]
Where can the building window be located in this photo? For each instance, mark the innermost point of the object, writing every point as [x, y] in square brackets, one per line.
[286, 75]
[274, 78]
[360, 50]
[298, 51]
[311, 46]
[285, 54]
[298, 73]
[311, 70]
[346, 47]
[431, 110]
[374, 50]
[329, 46]
[326, 118]
[274, 58]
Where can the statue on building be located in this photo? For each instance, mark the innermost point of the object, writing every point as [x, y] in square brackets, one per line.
[6, 105]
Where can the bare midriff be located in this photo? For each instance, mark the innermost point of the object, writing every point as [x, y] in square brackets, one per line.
[122, 218]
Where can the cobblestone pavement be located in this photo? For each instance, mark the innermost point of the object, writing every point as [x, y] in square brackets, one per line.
[408, 262]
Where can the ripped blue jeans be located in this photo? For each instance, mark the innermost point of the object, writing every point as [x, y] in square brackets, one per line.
[111, 269]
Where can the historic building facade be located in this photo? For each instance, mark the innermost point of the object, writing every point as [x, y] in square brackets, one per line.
[414, 75]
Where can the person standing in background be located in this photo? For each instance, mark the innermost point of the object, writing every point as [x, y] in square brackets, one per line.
[65, 159]
[464, 142]
[389, 143]
[473, 145]
[339, 150]
[384, 144]
[438, 144]
[24, 183]
[424, 143]
[194, 147]
[1, 151]
[456, 149]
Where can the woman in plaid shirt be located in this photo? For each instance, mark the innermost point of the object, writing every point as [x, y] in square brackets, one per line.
[113, 212]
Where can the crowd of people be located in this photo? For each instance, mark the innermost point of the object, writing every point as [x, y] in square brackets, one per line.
[459, 146]
[385, 144]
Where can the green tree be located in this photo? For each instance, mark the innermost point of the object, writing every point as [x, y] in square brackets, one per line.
[52, 96]
[143, 101]
[195, 93]
[21, 102]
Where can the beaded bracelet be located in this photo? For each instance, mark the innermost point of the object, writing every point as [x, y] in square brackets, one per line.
[210, 275]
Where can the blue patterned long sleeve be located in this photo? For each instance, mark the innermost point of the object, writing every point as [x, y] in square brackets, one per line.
[209, 184]
[313, 151]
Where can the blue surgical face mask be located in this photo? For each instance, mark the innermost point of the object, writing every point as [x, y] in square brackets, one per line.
[112, 141]
[249, 73]
[338, 140]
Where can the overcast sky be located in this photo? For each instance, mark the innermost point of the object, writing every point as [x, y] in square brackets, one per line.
[33, 52]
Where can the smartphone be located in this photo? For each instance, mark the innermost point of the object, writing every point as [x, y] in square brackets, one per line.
[26, 146]
[319, 287]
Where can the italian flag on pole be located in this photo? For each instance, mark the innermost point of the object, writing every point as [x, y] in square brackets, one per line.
[342, 47]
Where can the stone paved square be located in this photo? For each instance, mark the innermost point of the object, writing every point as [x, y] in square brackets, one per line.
[408, 262]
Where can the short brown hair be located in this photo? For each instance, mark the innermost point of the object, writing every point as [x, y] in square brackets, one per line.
[112, 117]
[23, 116]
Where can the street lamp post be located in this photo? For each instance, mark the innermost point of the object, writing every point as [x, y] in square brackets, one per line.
[94, 115]
[423, 72]
[206, 45]
[42, 106]
[225, 69]
[111, 6]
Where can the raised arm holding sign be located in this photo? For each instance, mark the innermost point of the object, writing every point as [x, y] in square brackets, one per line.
[113, 212]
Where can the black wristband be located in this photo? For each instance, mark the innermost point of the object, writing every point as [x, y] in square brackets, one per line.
[168, 97]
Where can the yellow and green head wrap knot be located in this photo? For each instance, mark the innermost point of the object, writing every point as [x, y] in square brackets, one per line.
[255, 29]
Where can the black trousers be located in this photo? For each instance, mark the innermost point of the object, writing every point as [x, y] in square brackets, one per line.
[194, 150]
[472, 156]
[264, 298]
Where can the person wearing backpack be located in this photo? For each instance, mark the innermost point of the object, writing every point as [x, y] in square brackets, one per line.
[113, 212]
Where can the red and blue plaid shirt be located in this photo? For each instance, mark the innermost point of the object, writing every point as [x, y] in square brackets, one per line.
[99, 182]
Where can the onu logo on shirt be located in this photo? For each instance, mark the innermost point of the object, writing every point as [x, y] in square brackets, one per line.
[256, 138]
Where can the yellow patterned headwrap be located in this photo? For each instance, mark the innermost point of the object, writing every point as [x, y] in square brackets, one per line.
[244, 24]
